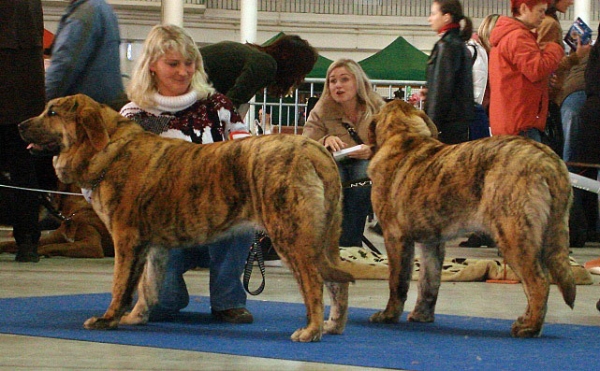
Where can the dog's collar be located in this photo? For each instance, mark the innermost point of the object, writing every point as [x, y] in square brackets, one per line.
[87, 192]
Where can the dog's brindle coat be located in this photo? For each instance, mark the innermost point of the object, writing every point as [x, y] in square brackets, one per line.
[426, 192]
[155, 193]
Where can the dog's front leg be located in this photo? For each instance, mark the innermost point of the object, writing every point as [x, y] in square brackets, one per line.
[432, 258]
[148, 288]
[338, 313]
[129, 264]
[401, 256]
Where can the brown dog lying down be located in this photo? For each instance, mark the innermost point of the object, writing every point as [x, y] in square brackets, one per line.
[81, 235]
[516, 190]
[156, 193]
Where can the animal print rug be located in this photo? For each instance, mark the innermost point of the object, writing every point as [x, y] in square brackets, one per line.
[368, 265]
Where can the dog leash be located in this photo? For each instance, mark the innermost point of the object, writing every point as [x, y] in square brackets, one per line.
[39, 190]
[255, 254]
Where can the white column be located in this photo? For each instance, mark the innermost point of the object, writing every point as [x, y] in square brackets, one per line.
[172, 12]
[248, 21]
[582, 9]
[248, 25]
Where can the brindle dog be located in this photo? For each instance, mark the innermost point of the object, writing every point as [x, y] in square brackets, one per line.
[155, 193]
[427, 192]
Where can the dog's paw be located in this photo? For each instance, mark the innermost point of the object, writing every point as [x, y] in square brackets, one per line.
[132, 318]
[520, 329]
[306, 335]
[421, 317]
[333, 327]
[100, 323]
[383, 317]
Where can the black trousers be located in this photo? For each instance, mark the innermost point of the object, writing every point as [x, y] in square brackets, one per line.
[21, 167]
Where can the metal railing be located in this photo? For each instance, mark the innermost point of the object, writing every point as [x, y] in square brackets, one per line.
[288, 113]
[401, 8]
[398, 8]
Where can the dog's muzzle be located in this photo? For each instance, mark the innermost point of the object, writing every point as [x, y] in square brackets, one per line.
[35, 147]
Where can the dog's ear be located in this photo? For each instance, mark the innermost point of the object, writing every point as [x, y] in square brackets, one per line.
[90, 118]
[429, 123]
[372, 134]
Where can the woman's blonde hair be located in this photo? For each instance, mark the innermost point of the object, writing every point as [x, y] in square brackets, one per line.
[161, 40]
[366, 96]
[485, 30]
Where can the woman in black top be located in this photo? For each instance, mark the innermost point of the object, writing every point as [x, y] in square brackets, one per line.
[449, 96]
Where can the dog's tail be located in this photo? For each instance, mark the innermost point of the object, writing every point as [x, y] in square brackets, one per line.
[331, 273]
[562, 274]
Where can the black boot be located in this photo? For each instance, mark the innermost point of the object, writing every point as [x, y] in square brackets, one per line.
[27, 252]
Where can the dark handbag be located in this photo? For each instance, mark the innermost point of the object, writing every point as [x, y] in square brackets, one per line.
[553, 135]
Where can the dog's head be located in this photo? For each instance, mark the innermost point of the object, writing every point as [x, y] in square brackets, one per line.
[64, 123]
[400, 117]
[73, 129]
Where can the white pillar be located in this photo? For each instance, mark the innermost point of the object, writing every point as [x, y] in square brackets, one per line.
[248, 25]
[172, 12]
[248, 21]
[582, 9]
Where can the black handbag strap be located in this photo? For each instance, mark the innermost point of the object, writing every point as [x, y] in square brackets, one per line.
[352, 132]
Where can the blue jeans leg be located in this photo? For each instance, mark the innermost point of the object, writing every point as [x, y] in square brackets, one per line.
[227, 261]
[173, 295]
[356, 204]
[569, 113]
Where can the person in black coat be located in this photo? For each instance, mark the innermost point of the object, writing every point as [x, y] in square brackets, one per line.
[585, 149]
[449, 97]
[22, 95]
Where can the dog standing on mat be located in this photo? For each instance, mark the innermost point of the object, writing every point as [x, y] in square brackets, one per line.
[516, 190]
[156, 193]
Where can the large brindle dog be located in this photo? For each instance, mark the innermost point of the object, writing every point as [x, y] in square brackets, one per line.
[426, 192]
[155, 193]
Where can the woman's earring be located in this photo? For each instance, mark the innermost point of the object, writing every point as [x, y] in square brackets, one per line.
[152, 73]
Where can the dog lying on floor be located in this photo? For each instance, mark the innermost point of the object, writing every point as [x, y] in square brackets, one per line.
[81, 235]
[516, 190]
[156, 193]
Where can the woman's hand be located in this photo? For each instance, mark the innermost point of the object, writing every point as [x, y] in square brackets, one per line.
[364, 153]
[334, 143]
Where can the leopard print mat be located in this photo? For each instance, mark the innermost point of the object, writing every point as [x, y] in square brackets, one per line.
[365, 264]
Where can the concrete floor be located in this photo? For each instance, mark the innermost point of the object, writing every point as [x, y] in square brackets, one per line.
[60, 276]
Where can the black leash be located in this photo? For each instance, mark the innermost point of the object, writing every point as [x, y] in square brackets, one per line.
[255, 255]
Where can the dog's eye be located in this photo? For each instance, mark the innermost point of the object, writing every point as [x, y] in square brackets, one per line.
[51, 113]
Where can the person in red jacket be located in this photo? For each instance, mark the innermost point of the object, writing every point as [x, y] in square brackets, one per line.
[520, 70]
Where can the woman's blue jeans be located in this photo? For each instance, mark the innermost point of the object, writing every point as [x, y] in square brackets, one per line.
[226, 259]
[569, 114]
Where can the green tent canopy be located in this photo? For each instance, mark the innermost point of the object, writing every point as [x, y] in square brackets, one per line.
[320, 68]
[397, 61]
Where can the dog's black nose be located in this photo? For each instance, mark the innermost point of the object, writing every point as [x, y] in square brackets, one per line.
[24, 125]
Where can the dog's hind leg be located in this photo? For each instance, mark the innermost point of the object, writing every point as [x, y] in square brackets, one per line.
[148, 288]
[522, 251]
[430, 275]
[130, 259]
[401, 255]
[311, 286]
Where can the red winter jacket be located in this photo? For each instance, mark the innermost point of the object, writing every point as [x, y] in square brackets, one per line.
[519, 75]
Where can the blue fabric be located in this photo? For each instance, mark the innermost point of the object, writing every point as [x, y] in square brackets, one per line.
[85, 55]
[480, 127]
[226, 259]
[533, 133]
[450, 343]
[571, 121]
[356, 204]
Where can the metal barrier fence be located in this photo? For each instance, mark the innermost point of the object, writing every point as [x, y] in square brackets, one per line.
[288, 114]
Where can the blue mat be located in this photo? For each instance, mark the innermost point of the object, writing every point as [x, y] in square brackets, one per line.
[451, 343]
